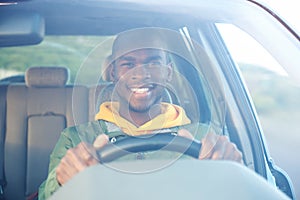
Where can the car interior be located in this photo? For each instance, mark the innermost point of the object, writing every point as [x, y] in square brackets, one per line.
[37, 106]
[37, 111]
[33, 114]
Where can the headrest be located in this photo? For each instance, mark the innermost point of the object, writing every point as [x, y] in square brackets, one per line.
[46, 76]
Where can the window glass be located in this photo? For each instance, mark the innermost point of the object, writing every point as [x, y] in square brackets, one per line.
[68, 51]
[274, 94]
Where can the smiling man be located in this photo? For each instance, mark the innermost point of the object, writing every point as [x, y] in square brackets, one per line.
[140, 72]
[140, 78]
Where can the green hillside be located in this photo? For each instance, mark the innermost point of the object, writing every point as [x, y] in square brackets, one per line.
[270, 90]
[68, 51]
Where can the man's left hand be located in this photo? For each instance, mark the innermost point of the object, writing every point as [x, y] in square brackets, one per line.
[216, 147]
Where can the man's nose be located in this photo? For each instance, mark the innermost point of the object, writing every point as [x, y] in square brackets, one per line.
[141, 72]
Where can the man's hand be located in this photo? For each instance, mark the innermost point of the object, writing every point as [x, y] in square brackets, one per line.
[79, 158]
[216, 147]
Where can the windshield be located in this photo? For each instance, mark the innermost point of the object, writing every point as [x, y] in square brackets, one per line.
[228, 68]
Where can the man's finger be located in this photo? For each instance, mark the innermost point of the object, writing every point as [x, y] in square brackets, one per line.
[101, 141]
[185, 133]
[208, 144]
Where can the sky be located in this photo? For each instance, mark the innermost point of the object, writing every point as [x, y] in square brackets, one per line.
[255, 53]
[287, 9]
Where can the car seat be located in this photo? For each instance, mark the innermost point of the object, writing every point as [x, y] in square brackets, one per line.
[37, 112]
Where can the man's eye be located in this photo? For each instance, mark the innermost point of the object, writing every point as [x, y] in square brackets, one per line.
[128, 65]
[155, 64]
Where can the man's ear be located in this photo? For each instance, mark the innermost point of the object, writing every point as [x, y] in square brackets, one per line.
[170, 72]
[112, 73]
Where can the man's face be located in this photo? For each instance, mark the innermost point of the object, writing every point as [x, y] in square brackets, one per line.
[140, 77]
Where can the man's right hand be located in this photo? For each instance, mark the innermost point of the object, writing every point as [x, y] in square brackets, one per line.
[79, 158]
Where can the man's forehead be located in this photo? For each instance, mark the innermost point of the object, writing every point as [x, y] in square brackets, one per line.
[144, 54]
[138, 39]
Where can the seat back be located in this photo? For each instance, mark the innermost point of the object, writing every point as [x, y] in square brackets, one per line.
[37, 112]
[3, 90]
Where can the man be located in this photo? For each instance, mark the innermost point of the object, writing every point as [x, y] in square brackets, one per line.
[140, 71]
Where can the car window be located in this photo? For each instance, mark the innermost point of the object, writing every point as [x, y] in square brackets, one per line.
[274, 94]
[67, 51]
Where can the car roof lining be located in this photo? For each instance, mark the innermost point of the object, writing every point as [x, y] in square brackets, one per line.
[93, 19]
[103, 18]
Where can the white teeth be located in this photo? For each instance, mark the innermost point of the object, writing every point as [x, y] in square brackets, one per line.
[139, 90]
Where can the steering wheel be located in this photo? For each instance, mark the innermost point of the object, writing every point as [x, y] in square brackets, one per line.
[181, 180]
[153, 142]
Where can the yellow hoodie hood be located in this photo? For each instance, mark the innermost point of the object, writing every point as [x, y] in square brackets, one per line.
[171, 116]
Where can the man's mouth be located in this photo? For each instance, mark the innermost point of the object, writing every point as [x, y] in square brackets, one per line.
[142, 89]
[139, 90]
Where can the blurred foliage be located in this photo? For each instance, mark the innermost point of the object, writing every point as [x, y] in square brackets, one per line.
[269, 89]
[67, 51]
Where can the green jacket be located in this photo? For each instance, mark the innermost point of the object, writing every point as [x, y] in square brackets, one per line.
[88, 132]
